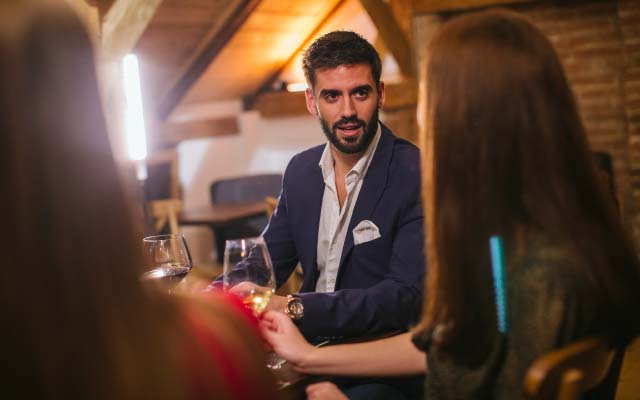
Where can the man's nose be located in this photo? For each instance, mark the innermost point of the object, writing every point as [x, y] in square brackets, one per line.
[348, 108]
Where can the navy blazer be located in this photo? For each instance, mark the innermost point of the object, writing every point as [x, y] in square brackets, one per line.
[380, 283]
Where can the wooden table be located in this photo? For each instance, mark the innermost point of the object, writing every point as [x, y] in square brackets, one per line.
[219, 215]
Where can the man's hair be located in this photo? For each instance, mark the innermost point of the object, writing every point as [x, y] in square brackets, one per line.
[340, 48]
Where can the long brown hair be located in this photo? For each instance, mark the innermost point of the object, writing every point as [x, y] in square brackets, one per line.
[506, 154]
[76, 321]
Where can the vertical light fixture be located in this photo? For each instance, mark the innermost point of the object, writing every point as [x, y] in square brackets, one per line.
[134, 126]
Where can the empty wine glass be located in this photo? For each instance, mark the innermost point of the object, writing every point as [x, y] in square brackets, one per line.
[167, 259]
[248, 272]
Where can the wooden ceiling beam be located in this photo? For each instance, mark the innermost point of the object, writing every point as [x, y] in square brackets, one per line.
[435, 6]
[392, 34]
[268, 83]
[400, 95]
[174, 132]
[213, 42]
[280, 104]
[288, 104]
[102, 6]
[124, 24]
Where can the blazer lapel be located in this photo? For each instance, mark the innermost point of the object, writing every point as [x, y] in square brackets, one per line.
[373, 186]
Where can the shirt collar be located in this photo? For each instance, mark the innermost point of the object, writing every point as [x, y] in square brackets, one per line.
[327, 161]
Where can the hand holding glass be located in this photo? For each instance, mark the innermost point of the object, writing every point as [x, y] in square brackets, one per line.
[248, 272]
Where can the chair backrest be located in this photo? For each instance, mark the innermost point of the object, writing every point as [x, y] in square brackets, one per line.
[246, 189]
[271, 204]
[162, 176]
[162, 190]
[569, 372]
[165, 212]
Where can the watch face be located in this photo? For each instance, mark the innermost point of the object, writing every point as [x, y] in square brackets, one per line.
[296, 309]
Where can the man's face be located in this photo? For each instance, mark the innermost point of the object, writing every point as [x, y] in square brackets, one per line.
[346, 101]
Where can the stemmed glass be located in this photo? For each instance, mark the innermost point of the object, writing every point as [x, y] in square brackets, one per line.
[248, 272]
[167, 259]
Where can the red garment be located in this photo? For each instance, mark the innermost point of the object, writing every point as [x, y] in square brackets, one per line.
[229, 366]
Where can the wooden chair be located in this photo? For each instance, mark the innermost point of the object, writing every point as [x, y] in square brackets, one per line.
[165, 212]
[162, 190]
[271, 203]
[570, 372]
[239, 190]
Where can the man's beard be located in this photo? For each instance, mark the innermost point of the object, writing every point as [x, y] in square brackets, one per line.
[353, 145]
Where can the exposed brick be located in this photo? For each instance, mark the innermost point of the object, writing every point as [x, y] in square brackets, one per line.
[551, 26]
[598, 43]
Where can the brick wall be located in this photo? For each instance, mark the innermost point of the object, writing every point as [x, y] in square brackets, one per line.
[598, 42]
[599, 45]
[629, 19]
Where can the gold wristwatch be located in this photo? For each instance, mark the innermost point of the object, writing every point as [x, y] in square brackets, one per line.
[294, 308]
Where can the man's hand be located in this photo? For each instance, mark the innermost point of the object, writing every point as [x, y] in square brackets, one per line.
[324, 391]
[285, 338]
[276, 303]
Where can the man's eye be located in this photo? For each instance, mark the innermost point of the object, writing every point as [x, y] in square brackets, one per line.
[330, 97]
[362, 94]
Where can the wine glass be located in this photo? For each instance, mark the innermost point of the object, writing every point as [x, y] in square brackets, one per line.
[248, 272]
[167, 259]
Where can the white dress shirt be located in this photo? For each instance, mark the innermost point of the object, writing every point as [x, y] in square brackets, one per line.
[334, 221]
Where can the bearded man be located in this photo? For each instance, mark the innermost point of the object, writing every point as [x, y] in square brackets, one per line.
[350, 210]
[350, 213]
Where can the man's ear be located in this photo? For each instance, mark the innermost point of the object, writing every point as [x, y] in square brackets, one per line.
[380, 94]
[311, 102]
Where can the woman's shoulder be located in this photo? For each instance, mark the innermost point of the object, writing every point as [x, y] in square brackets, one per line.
[548, 262]
[551, 293]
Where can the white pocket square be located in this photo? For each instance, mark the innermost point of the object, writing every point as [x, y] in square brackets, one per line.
[365, 231]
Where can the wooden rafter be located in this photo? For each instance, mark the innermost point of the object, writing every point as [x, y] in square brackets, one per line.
[249, 100]
[434, 6]
[392, 34]
[102, 6]
[124, 24]
[173, 132]
[400, 95]
[280, 104]
[285, 104]
[212, 43]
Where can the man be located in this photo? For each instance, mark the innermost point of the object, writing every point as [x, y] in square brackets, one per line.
[350, 210]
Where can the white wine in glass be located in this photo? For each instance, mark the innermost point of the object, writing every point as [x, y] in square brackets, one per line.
[248, 272]
[167, 259]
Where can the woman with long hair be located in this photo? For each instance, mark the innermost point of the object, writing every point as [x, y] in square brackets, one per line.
[76, 321]
[505, 156]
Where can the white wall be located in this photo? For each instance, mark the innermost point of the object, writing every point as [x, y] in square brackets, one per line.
[263, 145]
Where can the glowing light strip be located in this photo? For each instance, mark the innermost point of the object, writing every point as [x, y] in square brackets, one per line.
[133, 114]
[296, 87]
[497, 264]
